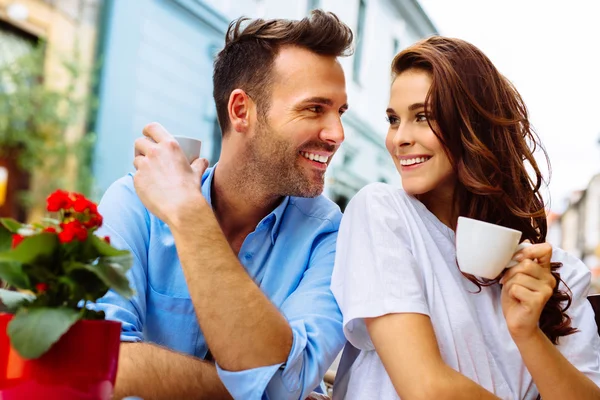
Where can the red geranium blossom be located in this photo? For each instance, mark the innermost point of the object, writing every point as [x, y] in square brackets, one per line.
[41, 287]
[59, 200]
[71, 231]
[80, 204]
[16, 240]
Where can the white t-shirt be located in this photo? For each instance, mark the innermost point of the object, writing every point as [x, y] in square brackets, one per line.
[394, 256]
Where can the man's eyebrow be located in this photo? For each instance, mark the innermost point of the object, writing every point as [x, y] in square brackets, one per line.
[323, 100]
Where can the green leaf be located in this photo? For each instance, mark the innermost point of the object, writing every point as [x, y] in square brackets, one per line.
[31, 248]
[10, 224]
[12, 300]
[12, 273]
[110, 274]
[33, 331]
[106, 250]
[5, 238]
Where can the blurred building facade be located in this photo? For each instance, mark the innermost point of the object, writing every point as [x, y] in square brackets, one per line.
[157, 66]
[580, 224]
[577, 230]
[65, 27]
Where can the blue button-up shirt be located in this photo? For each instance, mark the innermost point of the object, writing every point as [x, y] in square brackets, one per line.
[289, 255]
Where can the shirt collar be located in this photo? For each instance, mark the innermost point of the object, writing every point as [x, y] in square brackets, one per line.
[276, 214]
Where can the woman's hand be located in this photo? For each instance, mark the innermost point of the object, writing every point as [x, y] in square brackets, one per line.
[527, 287]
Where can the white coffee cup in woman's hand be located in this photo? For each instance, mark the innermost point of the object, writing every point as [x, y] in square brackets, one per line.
[484, 249]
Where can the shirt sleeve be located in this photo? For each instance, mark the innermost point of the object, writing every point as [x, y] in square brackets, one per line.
[582, 348]
[126, 221]
[375, 271]
[316, 324]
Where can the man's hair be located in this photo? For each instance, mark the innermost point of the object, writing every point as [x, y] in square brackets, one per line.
[246, 62]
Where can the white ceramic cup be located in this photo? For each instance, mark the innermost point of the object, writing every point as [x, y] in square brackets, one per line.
[484, 249]
[190, 147]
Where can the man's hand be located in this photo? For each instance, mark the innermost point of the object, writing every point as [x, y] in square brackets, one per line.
[165, 181]
[527, 287]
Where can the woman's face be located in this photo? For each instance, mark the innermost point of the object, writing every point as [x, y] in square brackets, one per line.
[418, 154]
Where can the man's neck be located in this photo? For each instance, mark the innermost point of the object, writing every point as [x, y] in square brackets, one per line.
[239, 205]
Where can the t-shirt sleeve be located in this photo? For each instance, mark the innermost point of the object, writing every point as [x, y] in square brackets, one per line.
[582, 348]
[375, 272]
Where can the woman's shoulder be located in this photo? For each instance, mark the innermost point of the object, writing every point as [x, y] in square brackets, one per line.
[573, 271]
[378, 194]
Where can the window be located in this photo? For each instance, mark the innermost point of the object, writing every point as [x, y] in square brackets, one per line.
[312, 4]
[14, 43]
[396, 46]
[360, 32]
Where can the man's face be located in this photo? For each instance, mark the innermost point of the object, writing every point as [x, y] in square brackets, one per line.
[293, 147]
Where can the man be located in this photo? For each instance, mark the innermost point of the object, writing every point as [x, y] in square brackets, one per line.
[238, 258]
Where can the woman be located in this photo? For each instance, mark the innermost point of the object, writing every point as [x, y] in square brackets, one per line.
[460, 137]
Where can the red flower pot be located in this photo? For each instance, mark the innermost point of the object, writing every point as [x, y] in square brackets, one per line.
[82, 365]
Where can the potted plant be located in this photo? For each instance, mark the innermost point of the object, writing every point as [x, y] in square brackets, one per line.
[52, 344]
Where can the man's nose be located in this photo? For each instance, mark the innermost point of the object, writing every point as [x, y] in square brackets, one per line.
[333, 133]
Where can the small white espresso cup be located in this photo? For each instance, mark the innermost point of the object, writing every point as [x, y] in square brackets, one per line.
[190, 147]
[484, 249]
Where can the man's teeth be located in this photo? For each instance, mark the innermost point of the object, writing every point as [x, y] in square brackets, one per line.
[314, 157]
[413, 161]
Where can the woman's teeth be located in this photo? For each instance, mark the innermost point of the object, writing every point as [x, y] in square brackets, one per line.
[413, 161]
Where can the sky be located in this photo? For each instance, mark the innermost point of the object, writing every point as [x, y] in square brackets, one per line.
[550, 50]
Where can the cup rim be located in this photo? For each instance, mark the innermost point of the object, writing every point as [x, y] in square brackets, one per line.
[477, 221]
[186, 137]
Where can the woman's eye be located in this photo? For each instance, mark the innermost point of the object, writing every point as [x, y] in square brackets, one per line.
[421, 118]
[392, 120]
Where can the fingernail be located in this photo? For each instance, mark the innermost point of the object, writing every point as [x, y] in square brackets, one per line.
[519, 257]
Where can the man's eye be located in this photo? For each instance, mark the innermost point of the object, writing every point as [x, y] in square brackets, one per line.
[392, 120]
[315, 109]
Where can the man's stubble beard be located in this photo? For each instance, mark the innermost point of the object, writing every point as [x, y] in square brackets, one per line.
[272, 163]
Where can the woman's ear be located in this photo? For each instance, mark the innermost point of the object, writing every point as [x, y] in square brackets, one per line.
[240, 108]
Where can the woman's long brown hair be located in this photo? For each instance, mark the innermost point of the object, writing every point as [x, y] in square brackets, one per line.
[482, 122]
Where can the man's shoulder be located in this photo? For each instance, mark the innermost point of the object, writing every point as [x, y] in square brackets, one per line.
[318, 208]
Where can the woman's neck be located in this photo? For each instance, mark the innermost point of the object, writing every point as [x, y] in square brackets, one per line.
[442, 205]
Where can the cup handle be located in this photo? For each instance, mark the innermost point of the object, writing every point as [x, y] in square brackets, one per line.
[520, 247]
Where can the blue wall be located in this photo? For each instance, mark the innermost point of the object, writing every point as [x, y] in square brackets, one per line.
[156, 66]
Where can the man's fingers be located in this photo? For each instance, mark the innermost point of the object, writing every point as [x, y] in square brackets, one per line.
[142, 146]
[137, 161]
[199, 165]
[156, 132]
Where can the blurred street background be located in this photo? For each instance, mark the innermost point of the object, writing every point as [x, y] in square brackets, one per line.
[80, 78]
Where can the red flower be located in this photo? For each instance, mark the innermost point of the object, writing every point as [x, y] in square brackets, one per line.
[16, 240]
[59, 200]
[107, 239]
[81, 203]
[50, 229]
[71, 231]
[95, 221]
[41, 287]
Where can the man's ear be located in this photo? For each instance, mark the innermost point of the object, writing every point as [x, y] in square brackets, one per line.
[240, 109]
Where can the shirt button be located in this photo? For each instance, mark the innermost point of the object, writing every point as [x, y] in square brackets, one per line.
[248, 256]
